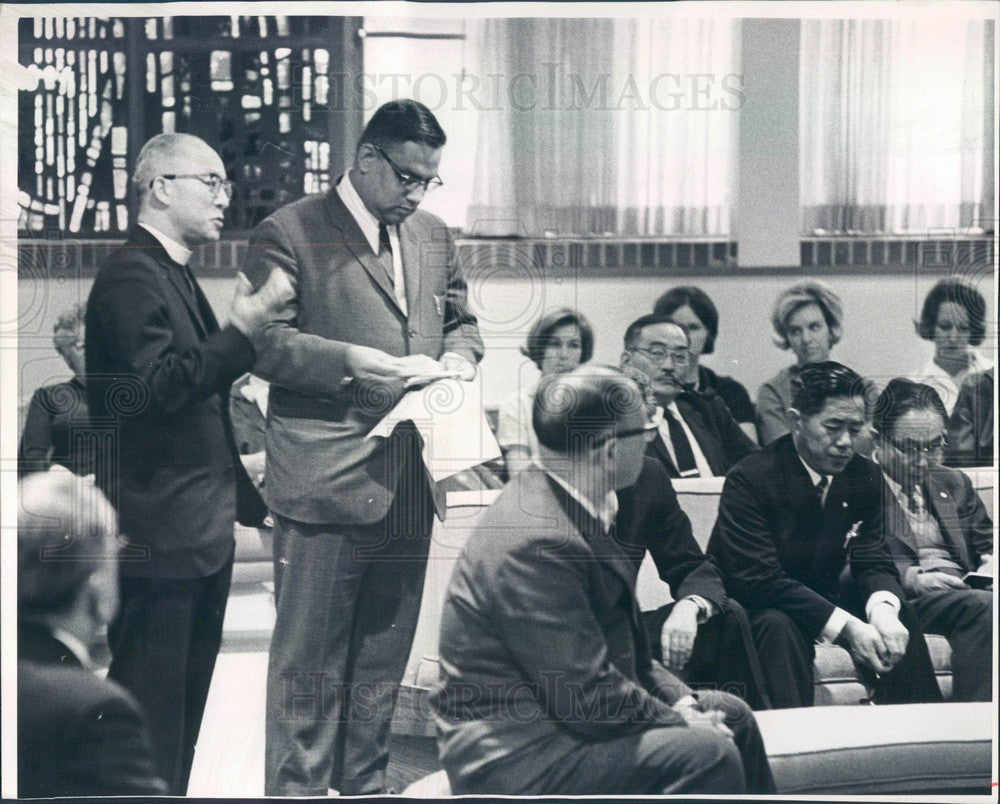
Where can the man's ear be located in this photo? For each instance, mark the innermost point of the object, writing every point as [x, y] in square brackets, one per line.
[794, 420]
[626, 359]
[365, 156]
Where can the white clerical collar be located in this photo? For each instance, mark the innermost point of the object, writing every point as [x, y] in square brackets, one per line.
[178, 252]
[605, 514]
[367, 222]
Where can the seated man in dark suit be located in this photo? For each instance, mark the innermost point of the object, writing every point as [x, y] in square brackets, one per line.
[938, 530]
[77, 734]
[792, 518]
[704, 636]
[548, 686]
[699, 436]
[970, 427]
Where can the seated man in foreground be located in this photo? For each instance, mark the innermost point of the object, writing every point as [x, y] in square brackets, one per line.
[791, 519]
[548, 684]
[938, 531]
[77, 734]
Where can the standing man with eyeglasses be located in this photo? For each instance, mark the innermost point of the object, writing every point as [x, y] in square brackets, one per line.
[159, 368]
[380, 307]
[699, 436]
[938, 530]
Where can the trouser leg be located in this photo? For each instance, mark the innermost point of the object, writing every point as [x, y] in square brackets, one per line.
[786, 659]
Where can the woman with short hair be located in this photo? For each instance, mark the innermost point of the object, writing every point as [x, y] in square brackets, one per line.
[560, 340]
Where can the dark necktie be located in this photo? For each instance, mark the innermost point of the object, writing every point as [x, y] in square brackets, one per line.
[821, 486]
[683, 454]
[385, 253]
[918, 505]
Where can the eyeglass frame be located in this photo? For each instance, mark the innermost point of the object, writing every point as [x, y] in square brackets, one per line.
[648, 429]
[208, 179]
[659, 358]
[914, 450]
[408, 181]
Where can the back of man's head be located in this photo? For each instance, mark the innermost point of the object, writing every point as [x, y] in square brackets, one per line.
[573, 411]
[403, 120]
[65, 534]
[814, 384]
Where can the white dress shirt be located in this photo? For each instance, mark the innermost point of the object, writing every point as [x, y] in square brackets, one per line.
[704, 470]
[941, 381]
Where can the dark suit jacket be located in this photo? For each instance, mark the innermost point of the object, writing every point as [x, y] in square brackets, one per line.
[159, 371]
[736, 397]
[650, 518]
[777, 548]
[970, 427]
[720, 437]
[320, 466]
[77, 734]
[540, 634]
[965, 525]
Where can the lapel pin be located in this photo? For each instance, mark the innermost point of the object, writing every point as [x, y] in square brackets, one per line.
[944, 495]
[843, 503]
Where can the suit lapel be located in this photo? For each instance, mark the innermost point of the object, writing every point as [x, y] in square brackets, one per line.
[175, 276]
[411, 255]
[942, 505]
[896, 522]
[657, 449]
[698, 424]
[354, 239]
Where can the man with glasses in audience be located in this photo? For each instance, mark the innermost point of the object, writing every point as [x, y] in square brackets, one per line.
[159, 368]
[939, 532]
[380, 307]
[699, 436]
[800, 543]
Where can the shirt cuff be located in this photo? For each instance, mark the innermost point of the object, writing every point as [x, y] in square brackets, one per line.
[882, 596]
[685, 702]
[835, 625]
[705, 608]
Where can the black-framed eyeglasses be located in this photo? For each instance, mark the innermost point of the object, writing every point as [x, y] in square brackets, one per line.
[658, 353]
[214, 182]
[649, 429]
[408, 181]
[915, 448]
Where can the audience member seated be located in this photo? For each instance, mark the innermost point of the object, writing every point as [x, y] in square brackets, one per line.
[807, 318]
[698, 436]
[703, 636]
[970, 426]
[954, 319]
[559, 341]
[548, 686]
[691, 309]
[938, 530]
[77, 734]
[796, 517]
[56, 410]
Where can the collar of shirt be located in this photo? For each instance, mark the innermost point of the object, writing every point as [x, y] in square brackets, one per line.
[815, 476]
[75, 646]
[700, 461]
[605, 514]
[176, 251]
[367, 222]
[941, 381]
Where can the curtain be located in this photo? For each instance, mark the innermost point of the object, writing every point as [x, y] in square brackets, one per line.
[897, 126]
[623, 126]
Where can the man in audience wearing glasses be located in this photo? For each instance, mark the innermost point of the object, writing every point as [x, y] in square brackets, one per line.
[548, 686]
[792, 518]
[699, 436]
[939, 532]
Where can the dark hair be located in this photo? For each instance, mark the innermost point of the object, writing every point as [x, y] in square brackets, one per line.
[814, 383]
[403, 120]
[901, 396]
[959, 292]
[637, 326]
[573, 409]
[541, 333]
[703, 307]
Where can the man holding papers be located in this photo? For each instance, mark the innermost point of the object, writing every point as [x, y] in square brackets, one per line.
[380, 306]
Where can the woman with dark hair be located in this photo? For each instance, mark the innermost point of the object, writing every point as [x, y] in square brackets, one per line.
[559, 341]
[693, 311]
[954, 319]
[938, 530]
[56, 410]
[807, 319]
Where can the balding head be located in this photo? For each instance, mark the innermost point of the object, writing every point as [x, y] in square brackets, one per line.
[167, 154]
[66, 539]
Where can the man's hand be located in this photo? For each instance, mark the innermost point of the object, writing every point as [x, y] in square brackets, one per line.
[366, 363]
[866, 645]
[709, 719]
[454, 362]
[935, 582]
[894, 635]
[678, 634]
[253, 463]
[250, 311]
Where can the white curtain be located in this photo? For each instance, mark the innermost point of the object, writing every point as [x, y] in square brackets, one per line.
[605, 125]
[897, 127]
